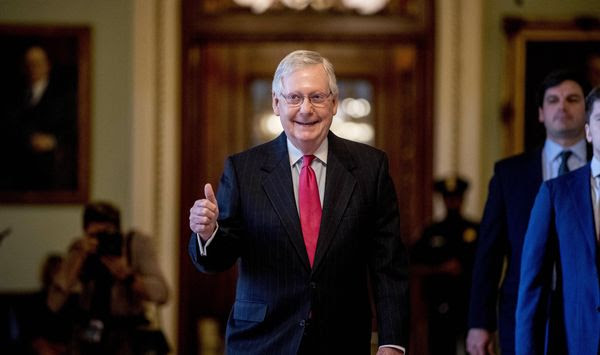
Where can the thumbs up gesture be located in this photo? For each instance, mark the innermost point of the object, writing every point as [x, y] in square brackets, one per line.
[204, 214]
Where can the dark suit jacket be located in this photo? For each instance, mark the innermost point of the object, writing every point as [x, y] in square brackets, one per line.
[561, 230]
[277, 291]
[512, 191]
[54, 114]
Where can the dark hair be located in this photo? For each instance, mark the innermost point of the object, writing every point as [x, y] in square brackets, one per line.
[592, 97]
[556, 78]
[101, 212]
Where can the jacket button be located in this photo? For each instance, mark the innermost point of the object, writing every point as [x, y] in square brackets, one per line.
[313, 285]
[302, 323]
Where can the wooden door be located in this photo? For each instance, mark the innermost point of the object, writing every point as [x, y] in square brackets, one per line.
[223, 59]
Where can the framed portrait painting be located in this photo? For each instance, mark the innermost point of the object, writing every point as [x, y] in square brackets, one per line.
[44, 114]
[535, 48]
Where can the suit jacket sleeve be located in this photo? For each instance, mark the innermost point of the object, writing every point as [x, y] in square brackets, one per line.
[536, 274]
[491, 248]
[225, 247]
[388, 264]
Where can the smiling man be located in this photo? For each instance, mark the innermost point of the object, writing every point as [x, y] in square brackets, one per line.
[311, 219]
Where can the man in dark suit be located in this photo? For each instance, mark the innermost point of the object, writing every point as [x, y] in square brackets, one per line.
[512, 191]
[443, 259]
[563, 231]
[39, 129]
[304, 271]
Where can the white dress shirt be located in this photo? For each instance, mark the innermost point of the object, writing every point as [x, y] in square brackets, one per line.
[551, 157]
[37, 91]
[595, 188]
[319, 165]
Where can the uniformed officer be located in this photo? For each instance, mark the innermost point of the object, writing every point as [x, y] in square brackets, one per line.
[443, 258]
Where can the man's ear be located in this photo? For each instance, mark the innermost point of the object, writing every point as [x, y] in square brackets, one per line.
[588, 134]
[540, 115]
[275, 103]
[335, 104]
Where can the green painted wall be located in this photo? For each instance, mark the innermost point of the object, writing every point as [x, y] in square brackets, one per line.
[40, 229]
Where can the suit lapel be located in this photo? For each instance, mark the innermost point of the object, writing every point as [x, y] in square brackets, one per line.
[535, 172]
[339, 186]
[280, 192]
[580, 196]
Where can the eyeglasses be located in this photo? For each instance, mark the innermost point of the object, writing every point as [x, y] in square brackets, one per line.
[317, 99]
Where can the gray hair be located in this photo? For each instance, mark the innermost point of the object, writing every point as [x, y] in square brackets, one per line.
[300, 59]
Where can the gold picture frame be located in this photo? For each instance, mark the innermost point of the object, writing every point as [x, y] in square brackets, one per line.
[534, 48]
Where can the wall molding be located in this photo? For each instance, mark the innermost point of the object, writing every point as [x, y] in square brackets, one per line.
[155, 144]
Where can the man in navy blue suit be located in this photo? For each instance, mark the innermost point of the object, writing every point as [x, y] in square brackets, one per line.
[296, 294]
[512, 191]
[563, 231]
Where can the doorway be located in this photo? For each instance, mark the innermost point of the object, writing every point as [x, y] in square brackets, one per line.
[227, 69]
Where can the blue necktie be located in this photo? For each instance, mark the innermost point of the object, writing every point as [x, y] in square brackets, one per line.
[564, 157]
[563, 168]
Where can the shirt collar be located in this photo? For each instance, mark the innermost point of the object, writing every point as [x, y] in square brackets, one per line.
[37, 90]
[595, 167]
[553, 149]
[295, 154]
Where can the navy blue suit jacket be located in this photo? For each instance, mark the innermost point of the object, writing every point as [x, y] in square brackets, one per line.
[511, 195]
[277, 290]
[561, 230]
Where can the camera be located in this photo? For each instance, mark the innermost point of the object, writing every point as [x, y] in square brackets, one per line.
[109, 243]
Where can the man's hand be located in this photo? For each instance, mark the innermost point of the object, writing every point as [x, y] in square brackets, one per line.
[88, 245]
[204, 214]
[119, 268]
[480, 342]
[42, 142]
[117, 265]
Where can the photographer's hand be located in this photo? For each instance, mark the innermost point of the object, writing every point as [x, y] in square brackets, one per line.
[117, 265]
[88, 245]
[70, 271]
[80, 251]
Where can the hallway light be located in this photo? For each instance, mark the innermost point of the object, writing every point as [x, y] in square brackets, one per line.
[363, 7]
[356, 108]
[257, 6]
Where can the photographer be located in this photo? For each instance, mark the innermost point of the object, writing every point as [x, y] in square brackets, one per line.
[114, 274]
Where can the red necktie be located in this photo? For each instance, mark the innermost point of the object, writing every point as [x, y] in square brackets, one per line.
[310, 206]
